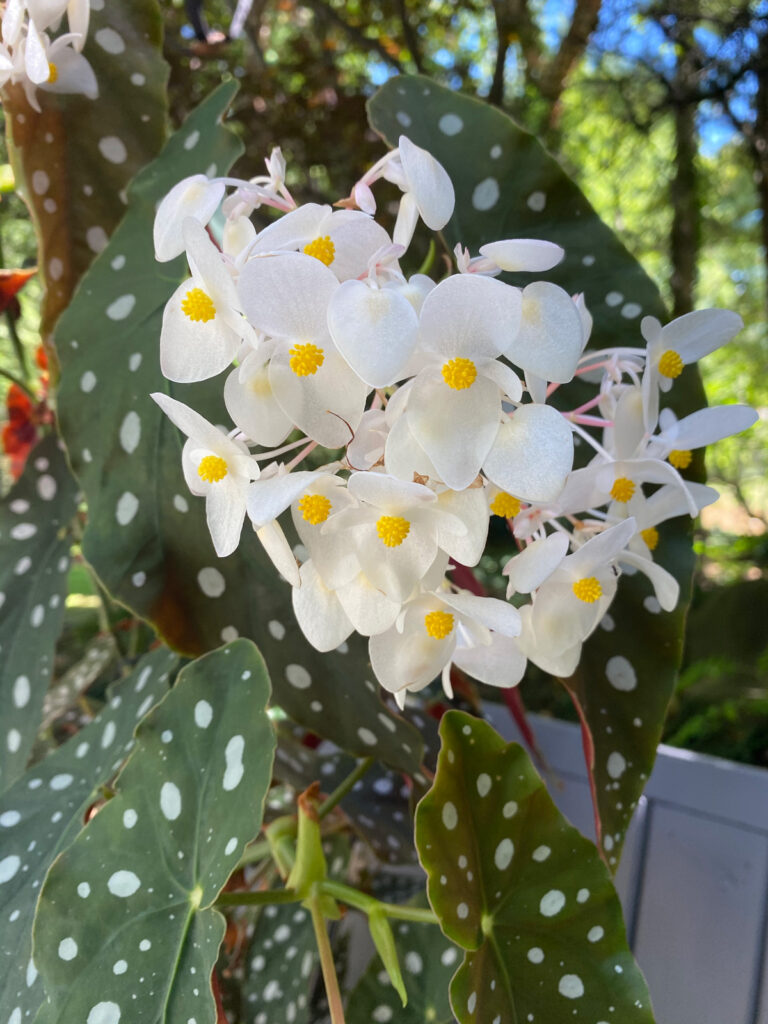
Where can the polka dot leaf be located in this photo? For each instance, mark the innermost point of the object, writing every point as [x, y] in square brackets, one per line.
[147, 535]
[73, 161]
[427, 960]
[34, 559]
[521, 891]
[42, 813]
[512, 188]
[143, 944]
[281, 964]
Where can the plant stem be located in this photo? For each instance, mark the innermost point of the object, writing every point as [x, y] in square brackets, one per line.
[255, 853]
[355, 898]
[335, 1005]
[257, 899]
[18, 382]
[344, 787]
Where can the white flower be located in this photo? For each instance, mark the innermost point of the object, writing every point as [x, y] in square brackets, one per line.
[286, 298]
[214, 466]
[677, 438]
[550, 339]
[202, 325]
[531, 255]
[532, 453]
[454, 403]
[427, 190]
[342, 240]
[680, 342]
[572, 600]
[251, 402]
[394, 532]
[375, 329]
[195, 197]
[437, 629]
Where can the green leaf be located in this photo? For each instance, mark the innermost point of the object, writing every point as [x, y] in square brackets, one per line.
[34, 559]
[512, 188]
[142, 943]
[73, 161]
[428, 961]
[147, 536]
[282, 961]
[43, 811]
[521, 891]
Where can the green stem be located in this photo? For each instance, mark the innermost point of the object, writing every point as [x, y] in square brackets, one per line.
[368, 904]
[257, 899]
[344, 787]
[18, 347]
[18, 382]
[254, 853]
[335, 1005]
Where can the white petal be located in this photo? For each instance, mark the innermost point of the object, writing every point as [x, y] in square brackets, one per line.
[601, 549]
[194, 425]
[252, 405]
[560, 620]
[396, 570]
[318, 611]
[356, 238]
[287, 296]
[369, 610]
[550, 336]
[706, 426]
[500, 663]
[532, 454]
[471, 316]
[328, 404]
[196, 197]
[470, 507]
[528, 569]
[387, 492]
[403, 455]
[44, 12]
[225, 512]
[278, 549]
[698, 333]
[629, 424]
[74, 75]
[13, 19]
[78, 17]
[36, 56]
[527, 254]
[411, 659]
[269, 497]
[490, 612]
[375, 330]
[665, 586]
[370, 437]
[455, 428]
[407, 219]
[294, 229]
[503, 375]
[429, 182]
[193, 350]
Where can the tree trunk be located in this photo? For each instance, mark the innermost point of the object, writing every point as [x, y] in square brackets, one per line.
[684, 198]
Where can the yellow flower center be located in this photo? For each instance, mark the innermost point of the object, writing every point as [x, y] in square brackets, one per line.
[651, 537]
[588, 590]
[438, 624]
[314, 508]
[505, 505]
[197, 305]
[680, 459]
[623, 489]
[670, 364]
[459, 374]
[212, 468]
[322, 249]
[53, 73]
[392, 530]
[306, 359]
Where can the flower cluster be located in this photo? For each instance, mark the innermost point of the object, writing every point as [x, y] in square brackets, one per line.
[29, 57]
[435, 401]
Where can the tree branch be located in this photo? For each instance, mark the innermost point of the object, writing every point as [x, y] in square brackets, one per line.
[354, 33]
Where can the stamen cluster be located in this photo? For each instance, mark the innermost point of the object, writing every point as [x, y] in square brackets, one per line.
[434, 398]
